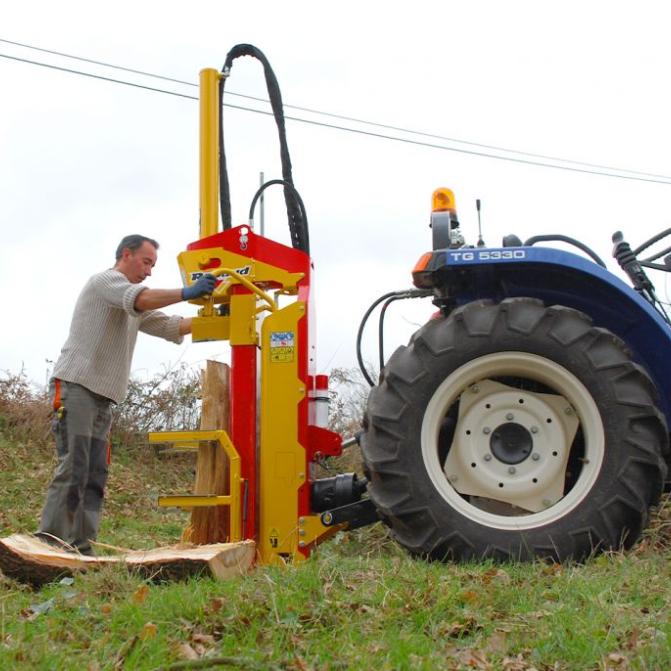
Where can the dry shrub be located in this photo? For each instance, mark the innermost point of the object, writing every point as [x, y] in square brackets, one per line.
[25, 413]
[169, 401]
[658, 534]
[349, 393]
[348, 397]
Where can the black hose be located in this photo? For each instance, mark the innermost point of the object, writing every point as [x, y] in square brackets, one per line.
[294, 194]
[655, 266]
[380, 327]
[655, 256]
[359, 335]
[393, 295]
[652, 241]
[571, 241]
[298, 227]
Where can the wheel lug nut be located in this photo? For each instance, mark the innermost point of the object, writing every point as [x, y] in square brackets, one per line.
[475, 389]
[488, 457]
[510, 416]
[534, 429]
[512, 470]
[486, 430]
[535, 456]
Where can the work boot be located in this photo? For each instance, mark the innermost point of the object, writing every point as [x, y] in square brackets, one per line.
[54, 541]
[88, 551]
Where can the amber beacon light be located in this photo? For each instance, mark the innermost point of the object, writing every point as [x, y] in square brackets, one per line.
[443, 200]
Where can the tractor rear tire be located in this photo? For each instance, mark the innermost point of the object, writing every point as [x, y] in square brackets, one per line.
[514, 431]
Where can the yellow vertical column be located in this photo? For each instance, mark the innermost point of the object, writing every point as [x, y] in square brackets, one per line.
[209, 152]
[281, 457]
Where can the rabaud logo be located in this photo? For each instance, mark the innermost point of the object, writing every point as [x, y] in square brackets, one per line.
[245, 270]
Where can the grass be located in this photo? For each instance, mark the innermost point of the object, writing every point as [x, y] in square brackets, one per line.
[359, 602]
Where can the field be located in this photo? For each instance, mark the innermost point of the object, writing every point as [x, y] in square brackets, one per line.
[358, 602]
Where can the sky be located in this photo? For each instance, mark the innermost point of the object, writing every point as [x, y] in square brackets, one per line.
[84, 162]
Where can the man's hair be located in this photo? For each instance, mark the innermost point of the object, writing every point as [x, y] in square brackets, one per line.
[133, 242]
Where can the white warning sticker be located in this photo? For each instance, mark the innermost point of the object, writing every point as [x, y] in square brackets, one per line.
[282, 346]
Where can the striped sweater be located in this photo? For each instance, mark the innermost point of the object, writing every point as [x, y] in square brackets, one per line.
[99, 349]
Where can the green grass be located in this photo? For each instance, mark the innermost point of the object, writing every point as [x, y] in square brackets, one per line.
[359, 602]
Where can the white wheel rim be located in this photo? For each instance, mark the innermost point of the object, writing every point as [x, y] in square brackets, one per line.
[570, 395]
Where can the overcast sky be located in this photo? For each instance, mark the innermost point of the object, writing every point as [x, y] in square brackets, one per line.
[84, 162]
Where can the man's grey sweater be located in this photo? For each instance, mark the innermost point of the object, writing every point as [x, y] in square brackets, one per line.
[99, 349]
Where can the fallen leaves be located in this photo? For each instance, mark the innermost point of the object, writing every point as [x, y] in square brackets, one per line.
[474, 659]
[495, 575]
[615, 661]
[140, 595]
[469, 596]
[205, 639]
[497, 643]
[149, 631]
[299, 664]
[215, 605]
[185, 651]
[460, 629]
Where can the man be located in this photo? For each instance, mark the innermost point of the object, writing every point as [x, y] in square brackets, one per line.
[92, 373]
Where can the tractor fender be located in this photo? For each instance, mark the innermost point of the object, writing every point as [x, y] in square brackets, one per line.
[558, 277]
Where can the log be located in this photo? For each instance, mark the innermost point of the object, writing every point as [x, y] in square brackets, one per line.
[33, 561]
[221, 560]
[30, 560]
[212, 525]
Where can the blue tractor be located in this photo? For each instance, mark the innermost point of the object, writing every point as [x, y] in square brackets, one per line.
[528, 418]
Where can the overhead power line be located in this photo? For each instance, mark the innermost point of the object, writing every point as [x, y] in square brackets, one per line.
[92, 76]
[341, 116]
[642, 176]
[90, 60]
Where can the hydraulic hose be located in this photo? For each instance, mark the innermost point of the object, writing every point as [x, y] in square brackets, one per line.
[380, 324]
[658, 255]
[571, 241]
[651, 241]
[627, 260]
[298, 226]
[389, 297]
[287, 185]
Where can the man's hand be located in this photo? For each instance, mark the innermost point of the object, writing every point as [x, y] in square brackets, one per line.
[201, 287]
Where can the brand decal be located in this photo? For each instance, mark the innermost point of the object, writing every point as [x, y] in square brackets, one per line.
[245, 270]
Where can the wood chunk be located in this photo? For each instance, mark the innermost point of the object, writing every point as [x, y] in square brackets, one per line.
[221, 560]
[30, 560]
[212, 524]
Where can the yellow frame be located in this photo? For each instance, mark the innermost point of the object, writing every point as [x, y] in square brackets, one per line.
[191, 440]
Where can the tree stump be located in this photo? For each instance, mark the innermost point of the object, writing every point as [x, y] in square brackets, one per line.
[212, 524]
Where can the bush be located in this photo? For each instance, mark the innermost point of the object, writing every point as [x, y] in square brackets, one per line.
[25, 413]
[348, 397]
[349, 394]
[168, 401]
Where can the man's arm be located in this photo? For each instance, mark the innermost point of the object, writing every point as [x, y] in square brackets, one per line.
[153, 299]
[185, 326]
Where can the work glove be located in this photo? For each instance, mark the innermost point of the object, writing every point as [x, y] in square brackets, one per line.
[201, 287]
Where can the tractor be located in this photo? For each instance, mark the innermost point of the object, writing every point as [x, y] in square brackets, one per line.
[526, 419]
